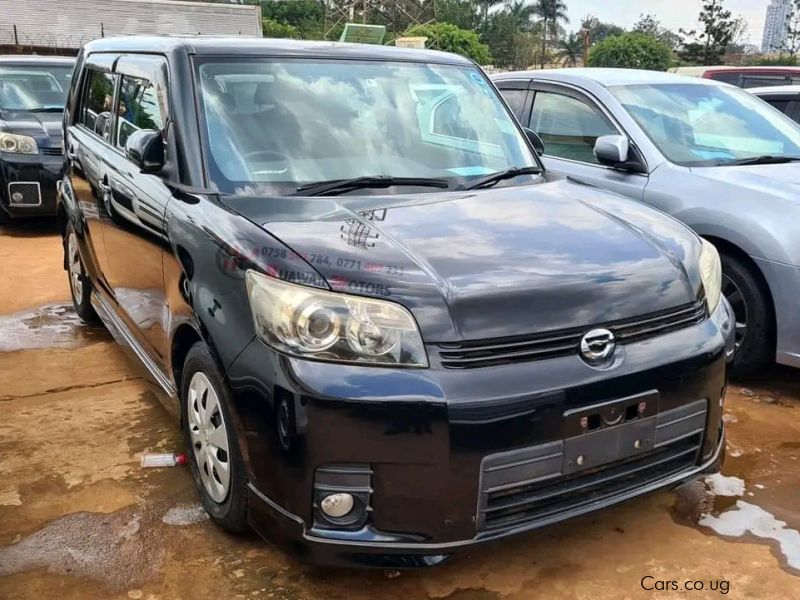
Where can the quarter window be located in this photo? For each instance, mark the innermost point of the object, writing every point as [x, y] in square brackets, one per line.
[568, 127]
[138, 108]
[516, 100]
[96, 113]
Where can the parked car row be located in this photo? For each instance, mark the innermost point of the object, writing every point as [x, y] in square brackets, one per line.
[391, 328]
[711, 155]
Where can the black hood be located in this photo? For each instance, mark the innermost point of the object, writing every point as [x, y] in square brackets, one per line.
[44, 127]
[492, 263]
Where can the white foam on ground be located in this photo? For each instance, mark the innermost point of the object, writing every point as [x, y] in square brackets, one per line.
[184, 515]
[720, 485]
[749, 518]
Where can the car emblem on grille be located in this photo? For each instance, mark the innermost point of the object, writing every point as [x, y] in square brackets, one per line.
[597, 346]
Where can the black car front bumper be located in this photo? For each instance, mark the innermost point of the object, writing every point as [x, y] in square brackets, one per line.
[447, 459]
[35, 178]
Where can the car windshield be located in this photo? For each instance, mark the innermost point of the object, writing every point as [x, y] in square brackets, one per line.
[709, 125]
[273, 125]
[34, 87]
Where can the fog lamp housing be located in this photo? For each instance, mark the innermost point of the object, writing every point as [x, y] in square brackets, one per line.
[342, 496]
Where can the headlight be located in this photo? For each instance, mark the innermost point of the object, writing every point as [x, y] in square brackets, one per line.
[18, 144]
[711, 274]
[323, 325]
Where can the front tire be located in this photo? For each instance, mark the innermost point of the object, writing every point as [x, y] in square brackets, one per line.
[213, 449]
[755, 321]
[79, 285]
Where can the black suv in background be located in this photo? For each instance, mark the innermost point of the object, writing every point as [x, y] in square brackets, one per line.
[390, 334]
[33, 91]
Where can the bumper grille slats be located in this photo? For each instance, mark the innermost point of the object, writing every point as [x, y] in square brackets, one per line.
[528, 484]
[552, 344]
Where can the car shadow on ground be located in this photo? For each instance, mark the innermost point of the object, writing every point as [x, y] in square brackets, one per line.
[30, 227]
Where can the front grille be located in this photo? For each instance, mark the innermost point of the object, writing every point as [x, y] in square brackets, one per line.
[509, 350]
[528, 484]
[51, 151]
[24, 194]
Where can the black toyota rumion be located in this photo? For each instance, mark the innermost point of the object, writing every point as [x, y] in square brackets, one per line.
[390, 334]
[33, 91]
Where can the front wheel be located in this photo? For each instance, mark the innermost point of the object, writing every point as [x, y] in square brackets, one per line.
[755, 322]
[216, 463]
[79, 285]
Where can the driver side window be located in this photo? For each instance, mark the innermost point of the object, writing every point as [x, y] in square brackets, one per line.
[138, 108]
[568, 126]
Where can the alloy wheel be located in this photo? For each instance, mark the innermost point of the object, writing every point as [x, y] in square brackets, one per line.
[734, 294]
[75, 268]
[209, 437]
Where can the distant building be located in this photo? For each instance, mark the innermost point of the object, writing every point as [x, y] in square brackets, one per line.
[68, 24]
[775, 25]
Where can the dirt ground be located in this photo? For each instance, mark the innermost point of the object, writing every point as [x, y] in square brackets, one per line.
[80, 519]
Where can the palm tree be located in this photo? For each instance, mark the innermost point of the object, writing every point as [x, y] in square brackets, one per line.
[570, 49]
[552, 13]
[521, 12]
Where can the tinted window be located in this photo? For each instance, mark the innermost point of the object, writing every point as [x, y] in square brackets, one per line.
[99, 98]
[726, 76]
[751, 81]
[138, 108]
[516, 100]
[568, 127]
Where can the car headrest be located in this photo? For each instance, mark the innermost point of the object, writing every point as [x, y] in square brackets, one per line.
[264, 94]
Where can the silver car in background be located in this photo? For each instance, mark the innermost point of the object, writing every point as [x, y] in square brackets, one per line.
[710, 154]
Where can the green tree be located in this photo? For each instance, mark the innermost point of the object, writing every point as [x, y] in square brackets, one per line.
[598, 30]
[552, 12]
[450, 38]
[631, 51]
[466, 14]
[649, 25]
[719, 29]
[792, 42]
[306, 16]
[570, 49]
[274, 29]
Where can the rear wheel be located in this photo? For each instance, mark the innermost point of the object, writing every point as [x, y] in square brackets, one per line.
[216, 463]
[752, 309]
[79, 285]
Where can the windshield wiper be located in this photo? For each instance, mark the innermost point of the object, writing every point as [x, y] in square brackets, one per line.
[764, 159]
[490, 180]
[339, 186]
[45, 109]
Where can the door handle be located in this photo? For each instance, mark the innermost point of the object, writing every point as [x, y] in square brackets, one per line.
[71, 154]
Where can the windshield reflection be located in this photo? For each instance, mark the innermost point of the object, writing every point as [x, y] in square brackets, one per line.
[709, 125]
[272, 126]
[33, 87]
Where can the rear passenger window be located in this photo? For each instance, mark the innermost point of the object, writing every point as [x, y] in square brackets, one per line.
[568, 127]
[99, 98]
[138, 108]
[726, 77]
[516, 100]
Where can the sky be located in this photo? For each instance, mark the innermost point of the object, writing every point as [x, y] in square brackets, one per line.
[673, 14]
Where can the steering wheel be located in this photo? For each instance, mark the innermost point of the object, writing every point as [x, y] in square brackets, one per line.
[273, 153]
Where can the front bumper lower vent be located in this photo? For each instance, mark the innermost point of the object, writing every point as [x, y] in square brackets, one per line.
[24, 193]
[538, 482]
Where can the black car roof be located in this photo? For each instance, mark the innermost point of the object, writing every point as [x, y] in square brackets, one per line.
[22, 59]
[207, 45]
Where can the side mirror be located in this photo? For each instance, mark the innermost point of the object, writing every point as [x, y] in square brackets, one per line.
[145, 148]
[612, 150]
[535, 140]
